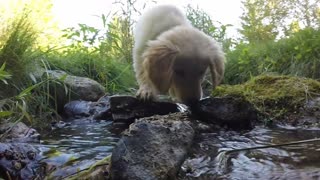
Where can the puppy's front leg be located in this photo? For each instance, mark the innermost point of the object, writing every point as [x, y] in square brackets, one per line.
[146, 92]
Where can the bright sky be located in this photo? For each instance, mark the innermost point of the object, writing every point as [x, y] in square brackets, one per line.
[71, 12]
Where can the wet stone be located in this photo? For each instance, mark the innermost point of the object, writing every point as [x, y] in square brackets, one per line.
[19, 132]
[19, 161]
[79, 88]
[235, 113]
[152, 148]
[99, 110]
[77, 109]
[127, 108]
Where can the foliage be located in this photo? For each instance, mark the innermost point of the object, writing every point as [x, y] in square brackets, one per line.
[202, 20]
[265, 20]
[116, 76]
[32, 100]
[261, 19]
[273, 96]
[297, 55]
[119, 39]
[4, 75]
[103, 55]
[280, 37]
[22, 95]
[39, 15]
[307, 12]
[16, 48]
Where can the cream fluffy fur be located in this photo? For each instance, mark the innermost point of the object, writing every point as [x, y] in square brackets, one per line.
[170, 55]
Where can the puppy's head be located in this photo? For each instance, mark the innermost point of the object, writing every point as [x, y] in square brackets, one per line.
[178, 67]
[187, 76]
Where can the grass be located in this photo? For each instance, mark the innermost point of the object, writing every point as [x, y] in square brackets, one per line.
[297, 55]
[18, 39]
[25, 94]
[116, 76]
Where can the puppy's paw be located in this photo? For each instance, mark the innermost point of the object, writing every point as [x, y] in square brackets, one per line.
[145, 94]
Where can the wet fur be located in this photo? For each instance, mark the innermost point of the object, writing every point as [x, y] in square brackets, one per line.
[170, 55]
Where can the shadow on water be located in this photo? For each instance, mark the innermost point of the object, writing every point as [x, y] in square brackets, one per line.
[300, 161]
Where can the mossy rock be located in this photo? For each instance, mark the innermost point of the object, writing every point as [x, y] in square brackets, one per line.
[274, 96]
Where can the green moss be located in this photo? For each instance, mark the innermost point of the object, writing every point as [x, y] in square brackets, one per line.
[273, 96]
[95, 171]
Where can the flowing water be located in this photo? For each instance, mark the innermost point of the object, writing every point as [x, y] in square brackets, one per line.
[78, 145]
[83, 142]
[300, 161]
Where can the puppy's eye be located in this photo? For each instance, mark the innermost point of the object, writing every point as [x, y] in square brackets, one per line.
[179, 72]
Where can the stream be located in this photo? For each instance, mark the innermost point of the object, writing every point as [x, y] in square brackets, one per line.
[84, 142]
[300, 161]
[78, 145]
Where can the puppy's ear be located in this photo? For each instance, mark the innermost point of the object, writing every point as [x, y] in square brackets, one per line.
[158, 62]
[217, 68]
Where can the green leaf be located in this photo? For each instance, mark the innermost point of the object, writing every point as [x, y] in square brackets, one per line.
[5, 114]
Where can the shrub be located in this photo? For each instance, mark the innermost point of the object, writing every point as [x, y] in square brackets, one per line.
[297, 55]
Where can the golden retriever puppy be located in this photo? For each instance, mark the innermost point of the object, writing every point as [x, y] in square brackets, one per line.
[170, 55]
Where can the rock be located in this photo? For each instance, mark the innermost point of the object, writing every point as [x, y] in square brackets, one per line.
[77, 109]
[19, 133]
[102, 110]
[80, 109]
[277, 98]
[59, 124]
[152, 148]
[127, 108]
[80, 88]
[313, 105]
[233, 112]
[307, 116]
[19, 161]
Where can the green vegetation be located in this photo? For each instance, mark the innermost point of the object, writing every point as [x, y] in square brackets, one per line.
[103, 55]
[203, 21]
[19, 88]
[297, 55]
[277, 37]
[273, 96]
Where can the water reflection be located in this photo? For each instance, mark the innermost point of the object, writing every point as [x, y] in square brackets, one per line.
[301, 161]
[84, 139]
